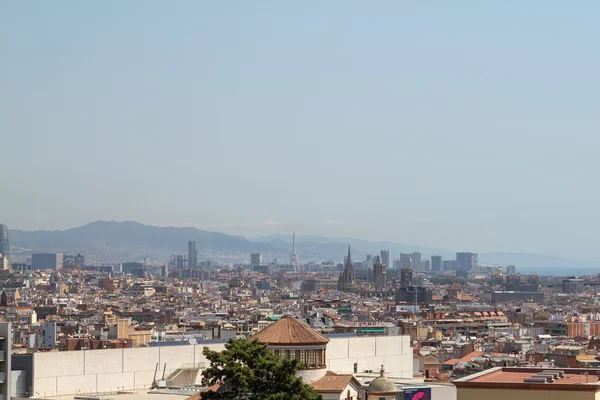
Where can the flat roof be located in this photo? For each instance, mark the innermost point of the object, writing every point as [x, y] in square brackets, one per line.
[586, 379]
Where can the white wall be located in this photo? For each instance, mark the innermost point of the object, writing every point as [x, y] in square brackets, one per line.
[96, 371]
[443, 392]
[370, 353]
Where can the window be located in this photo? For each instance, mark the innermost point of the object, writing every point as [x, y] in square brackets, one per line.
[303, 356]
[297, 355]
[288, 355]
[311, 358]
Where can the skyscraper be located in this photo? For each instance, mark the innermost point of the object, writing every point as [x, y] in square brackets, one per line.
[369, 261]
[379, 274]
[386, 258]
[293, 254]
[449, 265]
[467, 261]
[416, 261]
[192, 255]
[406, 261]
[73, 261]
[4, 242]
[436, 263]
[46, 261]
[255, 260]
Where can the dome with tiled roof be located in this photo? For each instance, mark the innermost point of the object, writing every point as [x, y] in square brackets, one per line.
[290, 331]
[292, 339]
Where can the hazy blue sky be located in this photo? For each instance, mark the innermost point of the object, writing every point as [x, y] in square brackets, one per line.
[464, 125]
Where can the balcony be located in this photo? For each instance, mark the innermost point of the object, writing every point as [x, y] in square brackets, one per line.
[2, 377]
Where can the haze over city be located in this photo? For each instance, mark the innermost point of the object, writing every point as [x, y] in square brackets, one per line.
[266, 200]
[457, 126]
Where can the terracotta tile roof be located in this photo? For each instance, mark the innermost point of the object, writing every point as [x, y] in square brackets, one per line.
[471, 355]
[333, 382]
[454, 286]
[452, 361]
[290, 331]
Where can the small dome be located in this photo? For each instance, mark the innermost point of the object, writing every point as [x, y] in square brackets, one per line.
[380, 385]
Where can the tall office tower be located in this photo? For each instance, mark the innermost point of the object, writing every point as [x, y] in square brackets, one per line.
[255, 260]
[348, 277]
[4, 243]
[293, 254]
[426, 265]
[416, 261]
[449, 265]
[3, 262]
[73, 261]
[406, 277]
[386, 257]
[178, 262]
[369, 262]
[406, 261]
[46, 261]
[466, 261]
[511, 270]
[436, 263]
[192, 255]
[379, 274]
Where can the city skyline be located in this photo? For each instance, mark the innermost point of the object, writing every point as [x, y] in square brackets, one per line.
[100, 237]
[305, 201]
[488, 112]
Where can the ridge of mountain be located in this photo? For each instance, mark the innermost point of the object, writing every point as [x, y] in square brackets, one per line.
[134, 240]
[129, 240]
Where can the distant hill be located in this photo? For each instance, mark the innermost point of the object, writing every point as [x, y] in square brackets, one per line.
[360, 247]
[525, 262]
[127, 241]
[133, 240]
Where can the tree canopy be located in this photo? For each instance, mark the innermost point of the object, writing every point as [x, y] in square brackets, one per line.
[247, 370]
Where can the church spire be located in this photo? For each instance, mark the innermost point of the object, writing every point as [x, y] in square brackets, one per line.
[349, 257]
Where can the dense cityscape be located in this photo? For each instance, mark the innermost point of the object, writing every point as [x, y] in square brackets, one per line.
[279, 200]
[361, 329]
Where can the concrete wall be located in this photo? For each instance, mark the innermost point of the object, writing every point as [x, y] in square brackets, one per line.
[445, 392]
[370, 353]
[100, 371]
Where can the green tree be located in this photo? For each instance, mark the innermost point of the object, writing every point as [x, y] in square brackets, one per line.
[247, 370]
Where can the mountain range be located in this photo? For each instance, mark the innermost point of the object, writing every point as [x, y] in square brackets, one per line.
[111, 241]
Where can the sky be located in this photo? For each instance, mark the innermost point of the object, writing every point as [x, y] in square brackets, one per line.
[465, 125]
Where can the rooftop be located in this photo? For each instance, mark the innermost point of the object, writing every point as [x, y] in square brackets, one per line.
[573, 379]
[333, 382]
[290, 331]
